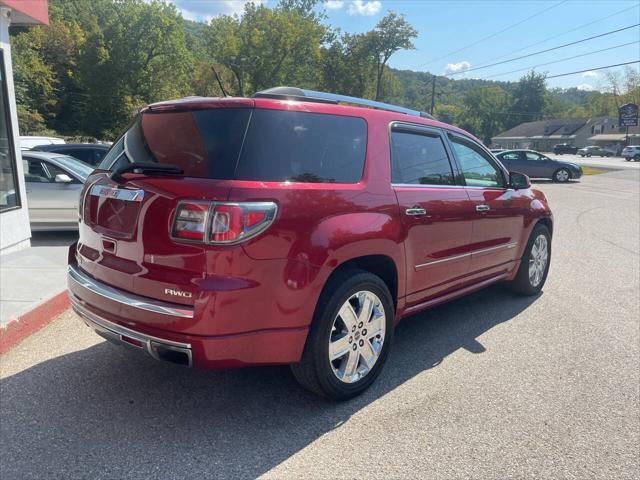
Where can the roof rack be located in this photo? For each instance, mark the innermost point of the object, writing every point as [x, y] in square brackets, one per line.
[303, 95]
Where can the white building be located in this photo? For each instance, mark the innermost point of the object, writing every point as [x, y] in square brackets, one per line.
[14, 216]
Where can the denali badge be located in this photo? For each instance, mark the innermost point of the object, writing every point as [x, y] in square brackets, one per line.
[177, 293]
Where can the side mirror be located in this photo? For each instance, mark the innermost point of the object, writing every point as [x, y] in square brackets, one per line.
[63, 178]
[519, 181]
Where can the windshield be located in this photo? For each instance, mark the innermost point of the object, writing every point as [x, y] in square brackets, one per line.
[78, 167]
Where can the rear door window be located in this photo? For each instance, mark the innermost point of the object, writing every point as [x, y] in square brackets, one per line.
[303, 147]
[419, 159]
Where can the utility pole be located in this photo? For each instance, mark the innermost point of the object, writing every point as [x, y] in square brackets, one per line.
[433, 93]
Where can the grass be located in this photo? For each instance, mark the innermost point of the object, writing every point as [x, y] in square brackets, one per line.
[594, 170]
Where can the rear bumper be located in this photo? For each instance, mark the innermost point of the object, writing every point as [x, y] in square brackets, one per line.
[261, 347]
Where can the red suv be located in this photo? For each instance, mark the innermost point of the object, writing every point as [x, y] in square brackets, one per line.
[288, 228]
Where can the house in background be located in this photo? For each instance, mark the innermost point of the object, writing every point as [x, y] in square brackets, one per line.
[14, 216]
[544, 134]
[617, 141]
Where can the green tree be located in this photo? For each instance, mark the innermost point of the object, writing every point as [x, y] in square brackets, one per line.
[529, 99]
[268, 46]
[485, 109]
[391, 34]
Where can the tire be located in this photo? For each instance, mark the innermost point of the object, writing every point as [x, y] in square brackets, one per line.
[636, 158]
[588, 155]
[316, 372]
[562, 175]
[523, 283]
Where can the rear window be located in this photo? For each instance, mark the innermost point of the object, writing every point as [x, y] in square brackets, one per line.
[303, 147]
[245, 144]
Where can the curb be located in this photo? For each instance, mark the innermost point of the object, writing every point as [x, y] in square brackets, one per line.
[30, 322]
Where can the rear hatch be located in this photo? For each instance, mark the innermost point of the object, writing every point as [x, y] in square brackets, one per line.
[127, 220]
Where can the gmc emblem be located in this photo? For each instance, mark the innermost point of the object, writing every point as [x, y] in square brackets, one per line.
[177, 293]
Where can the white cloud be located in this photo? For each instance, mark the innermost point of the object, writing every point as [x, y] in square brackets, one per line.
[459, 67]
[360, 7]
[590, 74]
[205, 10]
[334, 4]
[585, 86]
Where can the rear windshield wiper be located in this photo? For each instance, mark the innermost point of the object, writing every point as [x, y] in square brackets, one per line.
[146, 167]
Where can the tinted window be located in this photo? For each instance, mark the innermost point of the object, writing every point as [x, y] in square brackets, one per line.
[303, 147]
[477, 169]
[80, 154]
[115, 151]
[419, 159]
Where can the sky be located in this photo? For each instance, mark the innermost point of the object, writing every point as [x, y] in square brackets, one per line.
[460, 35]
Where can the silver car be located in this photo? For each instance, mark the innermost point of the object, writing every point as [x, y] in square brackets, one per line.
[53, 184]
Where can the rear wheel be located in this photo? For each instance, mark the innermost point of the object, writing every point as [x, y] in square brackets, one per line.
[349, 338]
[562, 175]
[534, 265]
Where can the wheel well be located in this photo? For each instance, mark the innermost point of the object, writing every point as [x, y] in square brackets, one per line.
[547, 223]
[380, 265]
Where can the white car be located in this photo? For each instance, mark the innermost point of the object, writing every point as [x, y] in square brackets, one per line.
[27, 142]
[632, 152]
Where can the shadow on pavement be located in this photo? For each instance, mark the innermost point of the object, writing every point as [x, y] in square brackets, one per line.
[108, 412]
[53, 239]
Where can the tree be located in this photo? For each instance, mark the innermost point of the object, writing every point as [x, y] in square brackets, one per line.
[485, 109]
[268, 46]
[529, 99]
[391, 34]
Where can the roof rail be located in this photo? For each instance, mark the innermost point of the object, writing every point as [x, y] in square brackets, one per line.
[303, 95]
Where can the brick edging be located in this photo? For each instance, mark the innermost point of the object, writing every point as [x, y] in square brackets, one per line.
[33, 320]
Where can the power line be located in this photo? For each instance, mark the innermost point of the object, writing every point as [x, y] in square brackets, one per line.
[493, 34]
[591, 69]
[559, 35]
[560, 60]
[543, 51]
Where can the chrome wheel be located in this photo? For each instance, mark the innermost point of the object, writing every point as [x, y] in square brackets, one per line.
[562, 175]
[357, 336]
[538, 260]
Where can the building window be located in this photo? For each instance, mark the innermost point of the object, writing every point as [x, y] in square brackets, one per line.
[9, 197]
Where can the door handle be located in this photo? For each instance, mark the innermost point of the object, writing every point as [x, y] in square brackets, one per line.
[482, 208]
[415, 211]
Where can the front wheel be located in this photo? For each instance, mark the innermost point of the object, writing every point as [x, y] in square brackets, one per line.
[349, 338]
[534, 265]
[562, 175]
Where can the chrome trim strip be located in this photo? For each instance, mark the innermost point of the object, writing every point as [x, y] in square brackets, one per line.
[117, 193]
[76, 276]
[448, 259]
[475, 252]
[114, 332]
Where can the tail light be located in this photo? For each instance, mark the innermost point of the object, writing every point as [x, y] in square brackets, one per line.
[221, 223]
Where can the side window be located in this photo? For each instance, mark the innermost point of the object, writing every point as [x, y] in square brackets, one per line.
[509, 156]
[80, 154]
[55, 170]
[34, 172]
[533, 156]
[418, 158]
[478, 170]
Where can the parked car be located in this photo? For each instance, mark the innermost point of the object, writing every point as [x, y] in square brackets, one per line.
[53, 183]
[632, 152]
[290, 229]
[561, 148]
[27, 142]
[91, 153]
[594, 151]
[536, 165]
[496, 150]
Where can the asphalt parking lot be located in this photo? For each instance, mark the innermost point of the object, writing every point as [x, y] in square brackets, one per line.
[489, 386]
